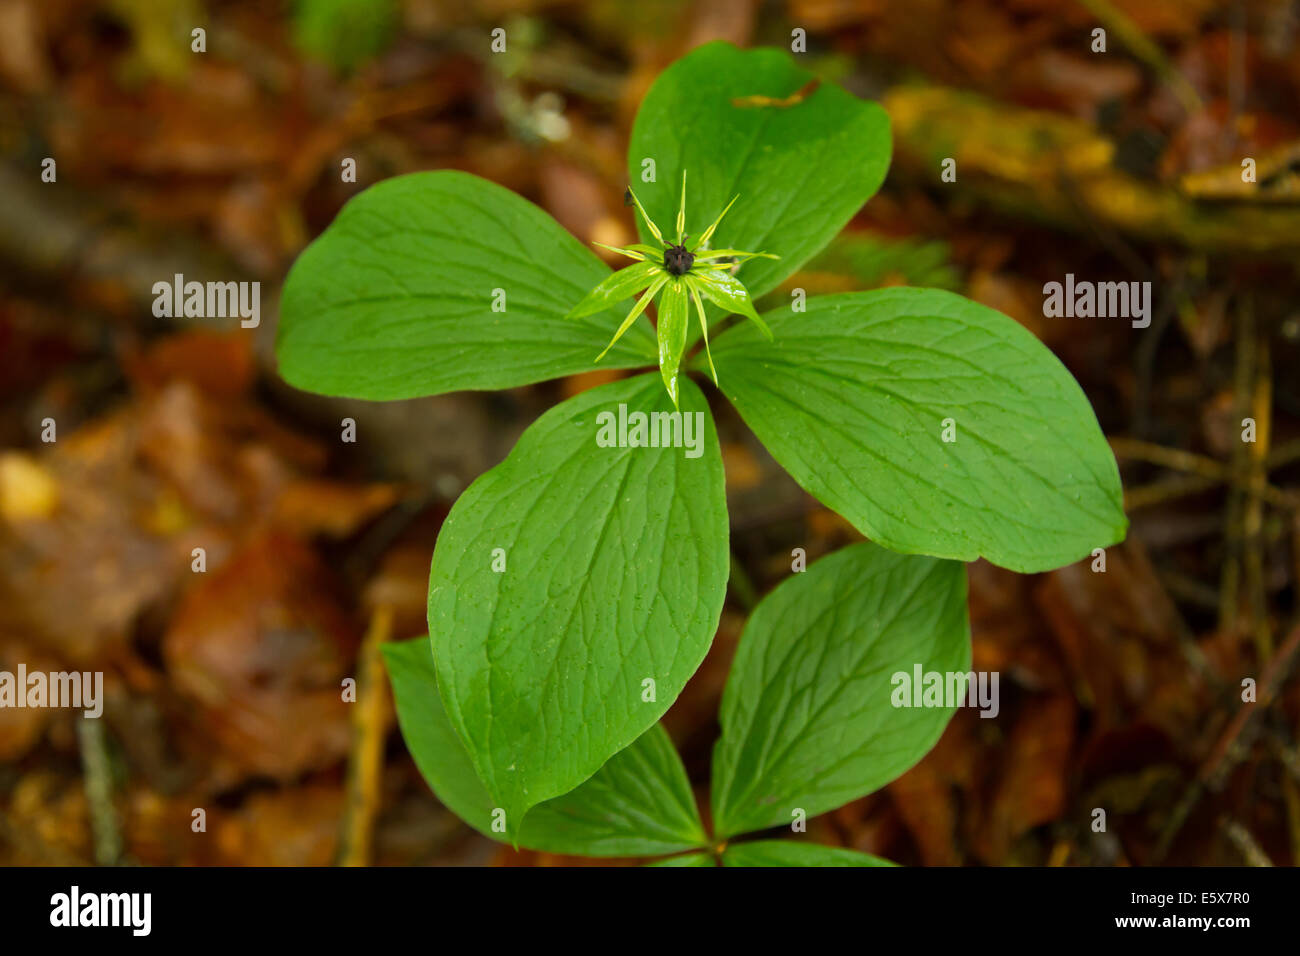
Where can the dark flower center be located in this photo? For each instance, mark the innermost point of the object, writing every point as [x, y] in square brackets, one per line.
[677, 260]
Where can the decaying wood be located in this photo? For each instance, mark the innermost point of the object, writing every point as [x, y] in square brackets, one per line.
[1060, 172]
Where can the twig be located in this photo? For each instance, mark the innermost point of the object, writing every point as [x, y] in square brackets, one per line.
[1173, 458]
[1291, 796]
[1204, 473]
[1144, 360]
[1257, 476]
[98, 784]
[1168, 489]
[1284, 454]
[1230, 578]
[1229, 748]
[1165, 606]
[1142, 47]
[1287, 755]
[1187, 588]
[1224, 757]
[365, 763]
[1245, 843]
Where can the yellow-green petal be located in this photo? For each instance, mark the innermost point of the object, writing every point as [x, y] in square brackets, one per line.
[636, 310]
[616, 288]
[621, 250]
[704, 322]
[681, 212]
[674, 310]
[706, 254]
[708, 233]
[650, 223]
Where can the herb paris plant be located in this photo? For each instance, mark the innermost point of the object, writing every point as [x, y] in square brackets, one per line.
[935, 425]
[683, 274]
[807, 723]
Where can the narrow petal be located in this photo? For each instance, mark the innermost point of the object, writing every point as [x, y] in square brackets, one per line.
[674, 310]
[737, 254]
[649, 223]
[616, 288]
[681, 212]
[637, 309]
[650, 252]
[692, 284]
[724, 289]
[622, 250]
[708, 233]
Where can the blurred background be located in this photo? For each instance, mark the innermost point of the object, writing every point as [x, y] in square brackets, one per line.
[1119, 690]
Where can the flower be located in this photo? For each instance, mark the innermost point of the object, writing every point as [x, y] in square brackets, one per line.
[684, 276]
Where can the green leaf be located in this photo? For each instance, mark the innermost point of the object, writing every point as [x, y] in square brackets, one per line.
[854, 398]
[689, 859]
[857, 261]
[638, 804]
[626, 282]
[616, 564]
[789, 853]
[875, 261]
[344, 33]
[395, 299]
[808, 719]
[674, 310]
[801, 171]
